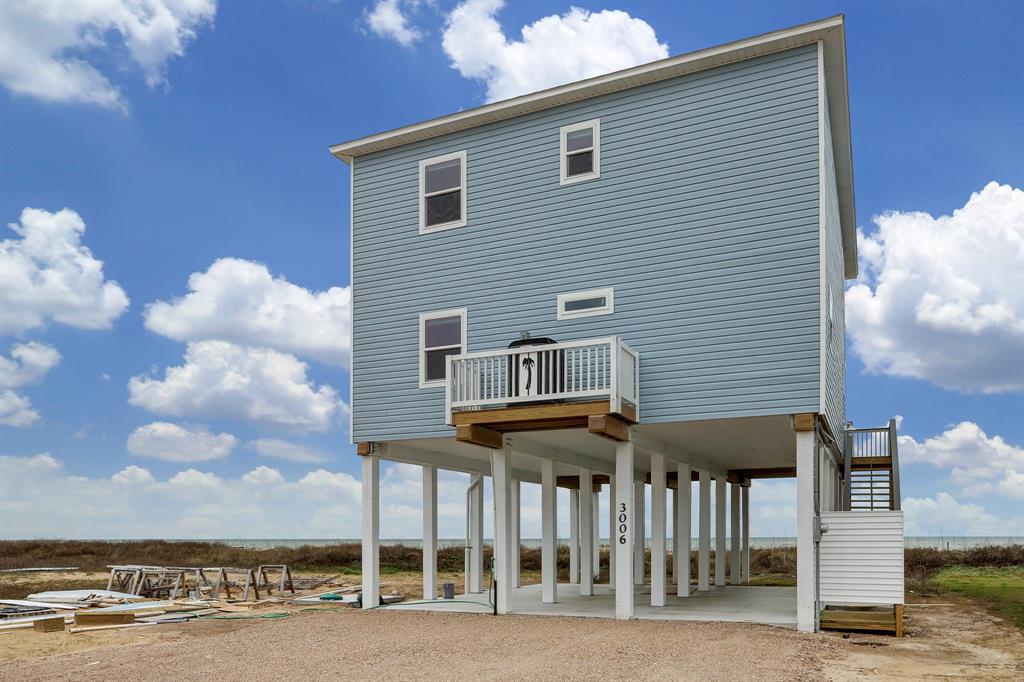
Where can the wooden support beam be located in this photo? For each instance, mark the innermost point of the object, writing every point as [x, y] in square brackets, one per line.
[804, 421]
[478, 435]
[772, 472]
[364, 449]
[608, 426]
[573, 482]
[531, 413]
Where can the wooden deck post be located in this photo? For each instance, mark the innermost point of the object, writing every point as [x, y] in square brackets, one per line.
[595, 527]
[675, 535]
[517, 539]
[658, 492]
[623, 535]
[682, 530]
[586, 533]
[613, 546]
[720, 531]
[745, 503]
[371, 531]
[548, 532]
[476, 537]
[639, 533]
[574, 537]
[734, 534]
[501, 477]
[704, 532]
[806, 587]
[429, 532]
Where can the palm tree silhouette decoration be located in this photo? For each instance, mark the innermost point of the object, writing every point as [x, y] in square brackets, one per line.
[528, 363]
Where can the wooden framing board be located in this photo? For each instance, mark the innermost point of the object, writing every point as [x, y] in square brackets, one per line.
[54, 624]
[608, 426]
[104, 617]
[804, 421]
[478, 435]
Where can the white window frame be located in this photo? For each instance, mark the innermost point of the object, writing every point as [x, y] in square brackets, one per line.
[607, 292]
[422, 349]
[461, 222]
[566, 179]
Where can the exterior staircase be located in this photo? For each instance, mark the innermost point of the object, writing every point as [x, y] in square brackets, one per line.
[872, 461]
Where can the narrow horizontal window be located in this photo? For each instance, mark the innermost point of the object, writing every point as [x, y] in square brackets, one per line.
[580, 151]
[586, 303]
[441, 334]
[443, 192]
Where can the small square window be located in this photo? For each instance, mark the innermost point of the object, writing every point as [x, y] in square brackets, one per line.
[443, 192]
[580, 151]
[586, 303]
[441, 334]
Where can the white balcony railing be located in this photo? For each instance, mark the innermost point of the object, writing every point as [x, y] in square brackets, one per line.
[595, 368]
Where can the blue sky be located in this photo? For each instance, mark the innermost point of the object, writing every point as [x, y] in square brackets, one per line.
[205, 138]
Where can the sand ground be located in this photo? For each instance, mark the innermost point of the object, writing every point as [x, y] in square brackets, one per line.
[957, 641]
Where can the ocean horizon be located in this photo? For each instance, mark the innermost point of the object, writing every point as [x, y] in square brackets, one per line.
[911, 541]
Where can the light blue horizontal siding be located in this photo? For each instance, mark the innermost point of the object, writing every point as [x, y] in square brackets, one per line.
[704, 220]
[834, 370]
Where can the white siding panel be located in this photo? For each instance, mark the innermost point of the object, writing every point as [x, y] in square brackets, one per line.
[861, 558]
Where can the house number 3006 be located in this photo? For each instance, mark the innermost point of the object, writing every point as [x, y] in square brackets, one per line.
[623, 524]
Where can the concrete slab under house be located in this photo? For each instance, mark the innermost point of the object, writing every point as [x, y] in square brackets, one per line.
[631, 284]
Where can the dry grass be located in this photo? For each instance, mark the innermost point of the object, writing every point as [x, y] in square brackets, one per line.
[777, 565]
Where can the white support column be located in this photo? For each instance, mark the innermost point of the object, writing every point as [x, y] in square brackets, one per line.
[657, 529]
[675, 535]
[704, 533]
[612, 542]
[682, 524]
[595, 527]
[745, 503]
[720, 531]
[548, 532]
[734, 534]
[371, 531]
[476, 536]
[639, 533]
[586, 533]
[429, 532]
[517, 537]
[622, 536]
[574, 537]
[806, 587]
[501, 476]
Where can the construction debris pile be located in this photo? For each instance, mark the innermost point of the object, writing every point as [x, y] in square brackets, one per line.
[139, 595]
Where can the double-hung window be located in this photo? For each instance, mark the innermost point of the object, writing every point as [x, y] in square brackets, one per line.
[442, 334]
[580, 151]
[443, 192]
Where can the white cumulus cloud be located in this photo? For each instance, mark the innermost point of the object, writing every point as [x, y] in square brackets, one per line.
[27, 364]
[50, 50]
[221, 379]
[48, 274]
[282, 449]
[945, 515]
[391, 19]
[942, 299]
[133, 503]
[240, 301]
[978, 463]
[174, 443]
[553, 50]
